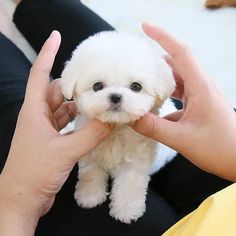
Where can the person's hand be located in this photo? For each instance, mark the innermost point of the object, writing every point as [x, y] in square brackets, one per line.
[205, 130]
[40, 158]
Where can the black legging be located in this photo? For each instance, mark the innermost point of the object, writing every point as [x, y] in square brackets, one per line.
[175, 191]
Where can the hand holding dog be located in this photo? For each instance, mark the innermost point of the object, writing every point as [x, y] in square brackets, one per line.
[205, 130]
[40, 158]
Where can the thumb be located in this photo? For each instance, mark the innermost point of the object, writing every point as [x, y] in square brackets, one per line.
[159, 129]
[81, 142]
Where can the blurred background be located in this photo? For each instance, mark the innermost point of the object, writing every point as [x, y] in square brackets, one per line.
[211, 34]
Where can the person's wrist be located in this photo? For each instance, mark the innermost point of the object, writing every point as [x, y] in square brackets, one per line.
[18, 208]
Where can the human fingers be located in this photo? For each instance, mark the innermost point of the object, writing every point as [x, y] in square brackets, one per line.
[39, 74]
[65, 114]
[81, 142]
[185, 64]
[159, 129]
[55, 96]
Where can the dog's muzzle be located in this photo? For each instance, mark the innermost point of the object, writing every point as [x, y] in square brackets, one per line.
[115, 100]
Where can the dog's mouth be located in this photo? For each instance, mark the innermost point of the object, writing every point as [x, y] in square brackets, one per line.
[115, 108]
[116, 113]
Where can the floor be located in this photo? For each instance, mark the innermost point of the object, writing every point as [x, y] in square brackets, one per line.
[210, 33]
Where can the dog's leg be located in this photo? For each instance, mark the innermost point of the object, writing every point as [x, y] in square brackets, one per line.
[90, 189]
[128, 193]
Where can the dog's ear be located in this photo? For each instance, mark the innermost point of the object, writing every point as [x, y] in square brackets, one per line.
[165, 88]
[166, 83]
[68, 86]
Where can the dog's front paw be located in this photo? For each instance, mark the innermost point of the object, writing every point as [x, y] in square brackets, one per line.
[126, 212]
[87, 197]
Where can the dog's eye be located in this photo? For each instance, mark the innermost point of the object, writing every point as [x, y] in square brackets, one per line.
[98, 86]
[135, 86]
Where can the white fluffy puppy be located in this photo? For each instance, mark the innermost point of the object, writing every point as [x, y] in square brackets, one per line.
[118, 78]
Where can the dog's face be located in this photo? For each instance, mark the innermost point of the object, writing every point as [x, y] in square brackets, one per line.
[117, 78]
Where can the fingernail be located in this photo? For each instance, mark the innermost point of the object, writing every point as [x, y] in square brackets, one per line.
[54, 34]
[147, 24]
[55, 38]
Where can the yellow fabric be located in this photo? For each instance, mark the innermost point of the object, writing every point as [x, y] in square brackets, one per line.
[216, 216]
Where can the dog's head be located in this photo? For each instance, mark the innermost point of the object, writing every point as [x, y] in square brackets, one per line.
[116, 77]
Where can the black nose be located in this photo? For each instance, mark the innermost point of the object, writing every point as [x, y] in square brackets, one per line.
[115, 98]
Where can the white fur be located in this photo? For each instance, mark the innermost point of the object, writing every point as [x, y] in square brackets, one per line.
[117, 60]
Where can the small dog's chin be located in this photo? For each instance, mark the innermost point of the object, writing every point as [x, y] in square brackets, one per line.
[118, 117]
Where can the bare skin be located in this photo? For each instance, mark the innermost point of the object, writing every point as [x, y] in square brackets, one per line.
[40, 158]
[205, 130]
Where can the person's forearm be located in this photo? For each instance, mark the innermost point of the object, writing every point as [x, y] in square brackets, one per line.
[15, 223]
[17, 216]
